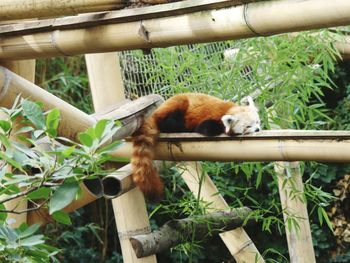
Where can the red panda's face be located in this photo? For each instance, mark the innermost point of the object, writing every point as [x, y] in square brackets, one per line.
[242, 119]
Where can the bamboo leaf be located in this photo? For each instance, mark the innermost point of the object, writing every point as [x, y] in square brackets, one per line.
[63, 196]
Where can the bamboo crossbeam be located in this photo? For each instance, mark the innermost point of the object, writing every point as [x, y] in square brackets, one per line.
[243, 21]
[21, 9]
[178, 231]
[323, 146]
[120, 16]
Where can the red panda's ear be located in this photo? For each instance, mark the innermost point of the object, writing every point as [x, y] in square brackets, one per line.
[251, 103]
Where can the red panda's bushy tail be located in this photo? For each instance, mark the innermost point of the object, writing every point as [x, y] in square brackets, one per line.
[144, 173]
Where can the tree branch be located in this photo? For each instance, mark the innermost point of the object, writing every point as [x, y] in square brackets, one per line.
[181, 230]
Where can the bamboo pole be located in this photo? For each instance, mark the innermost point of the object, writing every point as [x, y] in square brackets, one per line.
[20, 9]
[129, 209]
[249, 20]
[237, 241]
[293, 203]
[72, 121]
[244, 149]
[26, 69]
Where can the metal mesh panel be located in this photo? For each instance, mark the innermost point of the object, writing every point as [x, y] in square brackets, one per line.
[188, 68]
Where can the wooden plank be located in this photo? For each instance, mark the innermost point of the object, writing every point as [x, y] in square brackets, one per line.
[119, 16]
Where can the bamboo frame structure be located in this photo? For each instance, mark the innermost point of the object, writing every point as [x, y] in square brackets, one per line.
[293, 203]
[249, 20]
[129, 209]
[19, 9]
[237, 241]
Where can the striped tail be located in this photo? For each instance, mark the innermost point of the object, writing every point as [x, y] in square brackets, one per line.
[144, 173]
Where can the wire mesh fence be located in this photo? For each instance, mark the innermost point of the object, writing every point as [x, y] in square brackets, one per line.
[189, 68]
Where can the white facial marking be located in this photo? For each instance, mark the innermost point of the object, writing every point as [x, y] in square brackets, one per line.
[243, 120]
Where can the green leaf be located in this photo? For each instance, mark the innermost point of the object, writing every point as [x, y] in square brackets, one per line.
[24, 130]
[62, 217]
[100, 128]
[28, 231]
[12, 162]
[63, 196]
[32, 241]
[53, 119]
[3, 216]
[5, 125]
[34, 113]
[40, 193]
[85, 139]
[5, 141]
[67, 152]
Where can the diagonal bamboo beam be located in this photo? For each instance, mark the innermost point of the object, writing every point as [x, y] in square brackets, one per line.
[237, 241]
[243, 21]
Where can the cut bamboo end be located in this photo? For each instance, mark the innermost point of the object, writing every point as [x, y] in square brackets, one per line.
[117, 183]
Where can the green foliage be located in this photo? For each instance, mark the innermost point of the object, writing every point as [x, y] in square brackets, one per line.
[23, 245]
[48, 177]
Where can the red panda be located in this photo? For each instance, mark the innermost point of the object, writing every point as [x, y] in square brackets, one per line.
[188, 112]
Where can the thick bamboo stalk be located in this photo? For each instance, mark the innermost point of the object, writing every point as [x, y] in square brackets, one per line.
[26, 69]
[294, 204]
[329, 149]
[249, 20]
[73, 120]
[178, 231]
[129, 209]
[20, 9]
[237, 241]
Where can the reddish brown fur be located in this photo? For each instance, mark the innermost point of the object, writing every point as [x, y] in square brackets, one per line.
[197, 108]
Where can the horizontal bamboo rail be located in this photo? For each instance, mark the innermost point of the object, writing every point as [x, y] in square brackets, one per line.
[120, 16]
[21, 9]
[289, 145]
[249, 20]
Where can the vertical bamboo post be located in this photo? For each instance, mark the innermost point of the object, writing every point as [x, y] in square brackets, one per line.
[293, 202]
[237, 241]
[130, 212]
[26, 69]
